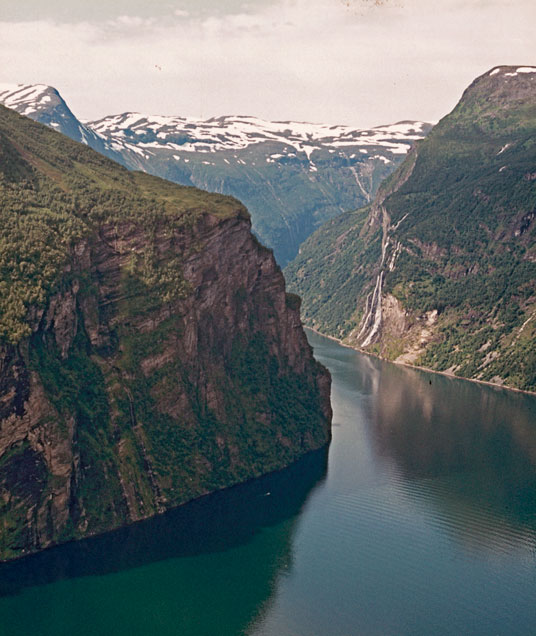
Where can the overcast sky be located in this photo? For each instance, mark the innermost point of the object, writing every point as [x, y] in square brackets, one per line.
[356, 62]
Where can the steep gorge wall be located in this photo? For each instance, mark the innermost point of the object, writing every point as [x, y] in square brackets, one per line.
[169, 363]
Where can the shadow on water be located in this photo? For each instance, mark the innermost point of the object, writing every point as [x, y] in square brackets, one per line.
[216, 523]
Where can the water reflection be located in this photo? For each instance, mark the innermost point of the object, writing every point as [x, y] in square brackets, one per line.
[477, 442]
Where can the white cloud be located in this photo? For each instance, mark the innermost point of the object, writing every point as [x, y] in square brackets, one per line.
[361, 62]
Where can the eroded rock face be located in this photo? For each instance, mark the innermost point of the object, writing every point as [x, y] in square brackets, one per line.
[168, 364]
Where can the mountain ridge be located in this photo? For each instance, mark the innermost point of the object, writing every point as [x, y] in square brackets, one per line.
[44, 104]
[292, 176]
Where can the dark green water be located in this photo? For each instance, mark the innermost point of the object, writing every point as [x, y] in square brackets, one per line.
[420, 520]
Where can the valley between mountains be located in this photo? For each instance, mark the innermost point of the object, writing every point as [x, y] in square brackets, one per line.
[149, 350]
[291, 176]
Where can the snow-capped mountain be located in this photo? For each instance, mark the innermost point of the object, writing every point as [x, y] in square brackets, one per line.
[236, 133]
[44, 104]
[292, 176]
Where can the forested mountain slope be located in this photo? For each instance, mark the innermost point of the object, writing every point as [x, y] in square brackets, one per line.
[440, 270]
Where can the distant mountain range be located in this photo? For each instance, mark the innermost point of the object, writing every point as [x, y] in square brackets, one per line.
[292, 176]
[440, 270]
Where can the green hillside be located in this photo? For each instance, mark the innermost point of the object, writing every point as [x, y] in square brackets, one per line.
[456, 285]
[54, 192]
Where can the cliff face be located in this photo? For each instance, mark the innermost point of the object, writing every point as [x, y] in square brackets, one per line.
[440, 270]
[166, 361]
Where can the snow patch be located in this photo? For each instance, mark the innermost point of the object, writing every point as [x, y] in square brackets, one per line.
[237, 133]
[13, 95]
[382, 158]
[519, 69]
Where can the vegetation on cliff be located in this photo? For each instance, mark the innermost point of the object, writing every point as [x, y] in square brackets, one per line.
[449, 241]
[53, 193]
[148, 351]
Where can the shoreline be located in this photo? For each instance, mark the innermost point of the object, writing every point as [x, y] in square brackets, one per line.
[426, 369]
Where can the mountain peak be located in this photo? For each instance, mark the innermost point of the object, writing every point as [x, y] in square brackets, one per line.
[44, 104]
[27, 99]
[440, 270]
[503, 84]
[502, 98]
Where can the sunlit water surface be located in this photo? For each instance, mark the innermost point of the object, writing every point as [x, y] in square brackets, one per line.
[420, 519]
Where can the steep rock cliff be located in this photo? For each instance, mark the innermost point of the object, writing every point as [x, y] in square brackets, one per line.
[148, 351]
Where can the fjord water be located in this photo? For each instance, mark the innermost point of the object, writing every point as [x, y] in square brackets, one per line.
[420, 520]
